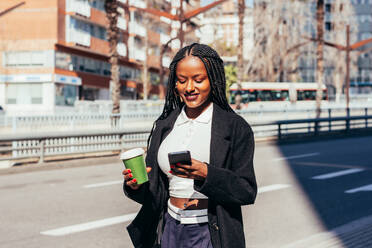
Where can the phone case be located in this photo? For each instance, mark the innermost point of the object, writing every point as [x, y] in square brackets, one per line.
[182, 157]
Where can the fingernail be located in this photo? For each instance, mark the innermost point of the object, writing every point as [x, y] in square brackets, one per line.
[134, 180]
[178, 163]
[172, 166]
[170, 172]
[130, 175]
[129, 170]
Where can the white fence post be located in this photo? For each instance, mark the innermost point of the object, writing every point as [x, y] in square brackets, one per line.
[41, 147]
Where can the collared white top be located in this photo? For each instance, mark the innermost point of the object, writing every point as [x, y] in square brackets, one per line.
[187, 134]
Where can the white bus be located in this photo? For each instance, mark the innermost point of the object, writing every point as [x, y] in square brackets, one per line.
[274, 92]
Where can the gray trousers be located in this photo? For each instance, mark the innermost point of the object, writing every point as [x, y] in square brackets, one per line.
[177, 235]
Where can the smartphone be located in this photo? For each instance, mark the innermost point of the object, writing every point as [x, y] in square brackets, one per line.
[182, 157]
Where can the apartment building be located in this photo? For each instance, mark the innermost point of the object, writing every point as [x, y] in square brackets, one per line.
[54, 52]
[361, 80]
[221, 24]
[361, 22]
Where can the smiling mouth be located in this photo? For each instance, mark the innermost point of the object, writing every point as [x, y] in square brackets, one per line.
[191, 97]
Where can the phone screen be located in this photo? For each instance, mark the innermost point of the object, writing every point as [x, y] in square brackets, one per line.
[182, 157]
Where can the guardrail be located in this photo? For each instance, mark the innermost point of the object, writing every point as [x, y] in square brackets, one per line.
[313, 127]
[83, 121]
[15, 147]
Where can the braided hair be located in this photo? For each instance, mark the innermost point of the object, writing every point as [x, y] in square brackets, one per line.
[216, 75]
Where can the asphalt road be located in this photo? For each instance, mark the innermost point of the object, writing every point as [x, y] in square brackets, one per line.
[309, 193]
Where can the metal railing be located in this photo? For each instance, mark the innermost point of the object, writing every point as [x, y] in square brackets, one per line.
[13, 147]
[86, 121]
[312, 127]
[17, 146]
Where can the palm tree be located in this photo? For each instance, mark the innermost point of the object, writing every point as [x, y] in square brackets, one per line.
[111, 7]
[319, 54]
[241, 10]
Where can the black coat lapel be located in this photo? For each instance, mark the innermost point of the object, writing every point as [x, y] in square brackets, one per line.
[220, 137]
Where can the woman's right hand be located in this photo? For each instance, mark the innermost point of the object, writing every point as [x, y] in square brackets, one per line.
[130, 181]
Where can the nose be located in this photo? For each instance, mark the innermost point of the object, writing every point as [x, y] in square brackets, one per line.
[190, 87]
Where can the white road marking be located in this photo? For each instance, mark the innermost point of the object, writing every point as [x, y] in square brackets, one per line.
[297, 156]
[272, 187]
[102, 184]
[89, 225]
[124, 218]
[363, 188]
[337, 174]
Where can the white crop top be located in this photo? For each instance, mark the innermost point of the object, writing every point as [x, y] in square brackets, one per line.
[187, 134]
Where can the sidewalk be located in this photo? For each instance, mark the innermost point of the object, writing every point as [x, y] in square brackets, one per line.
[356, 234]
[62, 163]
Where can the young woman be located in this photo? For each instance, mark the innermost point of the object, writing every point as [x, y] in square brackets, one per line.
[197, 205]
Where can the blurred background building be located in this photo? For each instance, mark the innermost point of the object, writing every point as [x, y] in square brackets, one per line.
[361, 29]
[56, 52]
[361, 80]
[220, 29]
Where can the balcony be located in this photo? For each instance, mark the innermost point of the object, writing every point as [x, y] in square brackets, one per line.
[78, 37]
[122, 23]
[78, 7]
[137, 54]
[138, 3]
[164, 38]
[136, 28]
[122, 49]
[166, 61]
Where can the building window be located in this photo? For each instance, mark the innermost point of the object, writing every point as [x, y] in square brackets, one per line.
[154, 50]
[88, 28]
[19, 93]
[64, 61]
[78, 63]
[328, 7]
[98, 4]
[98, 32]
[328, 26]
[27, 58]
[154, 78]
[366, 35]
[65, 94]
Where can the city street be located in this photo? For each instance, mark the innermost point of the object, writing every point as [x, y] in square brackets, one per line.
[314, 193]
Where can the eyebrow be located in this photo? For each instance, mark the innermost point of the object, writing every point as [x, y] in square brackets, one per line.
[196, 75]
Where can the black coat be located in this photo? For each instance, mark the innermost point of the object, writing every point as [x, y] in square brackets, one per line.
[230, 183]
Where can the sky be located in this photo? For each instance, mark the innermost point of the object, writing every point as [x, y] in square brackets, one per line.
[249, 3]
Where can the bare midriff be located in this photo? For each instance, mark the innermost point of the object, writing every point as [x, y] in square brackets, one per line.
[189, 203]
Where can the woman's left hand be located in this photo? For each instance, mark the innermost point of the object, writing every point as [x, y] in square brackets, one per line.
[197, 170]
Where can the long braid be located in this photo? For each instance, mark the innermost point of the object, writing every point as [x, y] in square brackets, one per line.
[216, 75]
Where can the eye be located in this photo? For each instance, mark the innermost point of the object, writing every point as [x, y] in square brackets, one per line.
[181, 81]
[199, 81]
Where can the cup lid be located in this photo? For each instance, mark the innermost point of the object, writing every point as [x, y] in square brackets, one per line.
[132, 153]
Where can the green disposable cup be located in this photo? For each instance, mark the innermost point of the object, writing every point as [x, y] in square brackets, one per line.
[133, 160]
